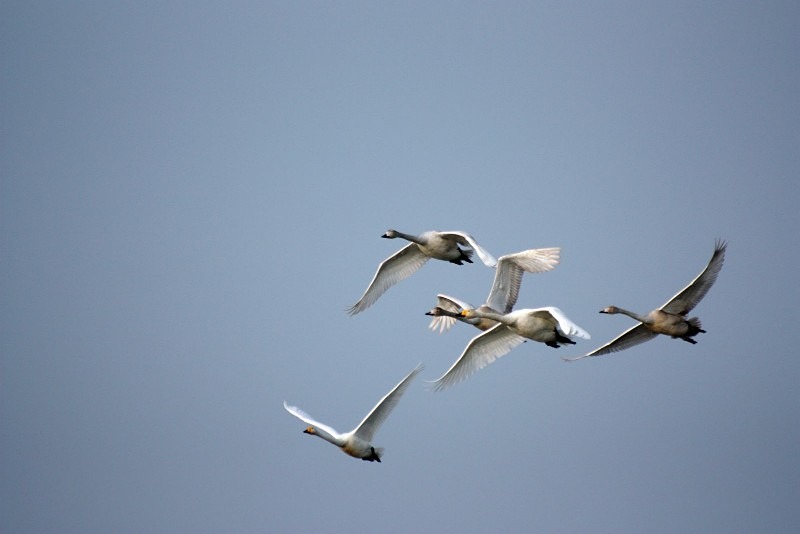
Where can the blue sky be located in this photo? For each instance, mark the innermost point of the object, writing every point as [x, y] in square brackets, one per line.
[191, 195]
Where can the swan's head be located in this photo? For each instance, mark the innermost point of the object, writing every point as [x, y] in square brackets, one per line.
[611, 310]
[439, 312]
[390, 234]
[310, 430]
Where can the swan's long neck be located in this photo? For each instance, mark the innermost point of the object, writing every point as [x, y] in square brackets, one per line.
[408, 237]
[338, 441]
[499, 317]
[634, 315]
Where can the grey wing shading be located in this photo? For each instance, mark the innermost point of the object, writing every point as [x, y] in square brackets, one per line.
[392, 270]
[630, 338]
[375, 418]
[482, 350]
[688, 297]
[510, 269]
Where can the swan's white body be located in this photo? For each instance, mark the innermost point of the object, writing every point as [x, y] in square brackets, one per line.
[409, 259]
[504, 292]
[670, 319]
[547, 325]
[358, 442]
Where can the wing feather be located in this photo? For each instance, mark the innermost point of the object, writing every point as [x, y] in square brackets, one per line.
[375, 418]
[630, 338]
[688, 297]
[482, 350]
[508, 277]
[303, 416]
[392, 270]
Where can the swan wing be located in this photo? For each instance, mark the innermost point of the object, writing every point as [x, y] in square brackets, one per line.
[303, 416]
[375, 418]
[508, 277]
[631, 337]
[691, 295]
[565, 324]
[393, 269]
[469, 241]
[482, 350]
[451, 304]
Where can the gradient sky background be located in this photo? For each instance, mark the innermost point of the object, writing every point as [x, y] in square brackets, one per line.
[192, 193]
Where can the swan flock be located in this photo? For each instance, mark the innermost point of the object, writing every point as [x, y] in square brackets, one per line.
[501, 328]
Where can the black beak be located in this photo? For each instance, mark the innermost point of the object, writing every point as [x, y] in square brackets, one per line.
[602, 311]
[386, 236]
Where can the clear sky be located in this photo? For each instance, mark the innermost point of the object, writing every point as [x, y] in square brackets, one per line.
[192, 193]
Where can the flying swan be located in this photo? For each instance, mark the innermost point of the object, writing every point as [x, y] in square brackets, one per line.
[548, 325]
[409, 259]
[670, 319]
[503, 294]
[358, 442]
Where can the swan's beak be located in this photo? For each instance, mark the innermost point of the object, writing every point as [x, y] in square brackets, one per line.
[429, 313]
[385, 235]
[602, 311]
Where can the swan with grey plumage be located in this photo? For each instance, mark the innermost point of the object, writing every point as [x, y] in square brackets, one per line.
[503, 294]
[358, 442]
[670, 319]
[548, 325]
[446, 246]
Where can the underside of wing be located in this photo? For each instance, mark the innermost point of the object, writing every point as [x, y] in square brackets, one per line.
[397, 267]
[375, 418]
[630, 338]
[691, 295]
[480, 352]
[303, 416]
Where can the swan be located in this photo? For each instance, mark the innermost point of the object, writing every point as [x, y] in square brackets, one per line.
[670, 319]
[358, 442]
[409, 259]
[504, 292]
[548, 325]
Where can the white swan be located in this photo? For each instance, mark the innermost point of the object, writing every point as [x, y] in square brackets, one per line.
[547, 325]
[504, 292]
[409, 259]
[358, 442]
[670, 319]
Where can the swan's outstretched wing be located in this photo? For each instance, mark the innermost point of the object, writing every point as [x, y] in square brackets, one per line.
[482, 350]
[631, 337]
[375, 418]
[303, 416]
[688, 297]
[467, 240]
[508, 277]
[393, 269]
[451, 304]
[565, 325]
